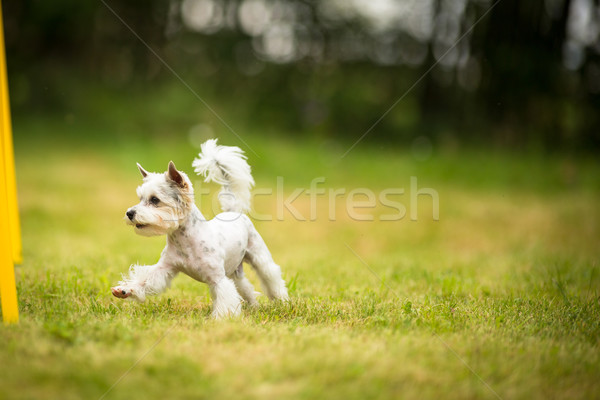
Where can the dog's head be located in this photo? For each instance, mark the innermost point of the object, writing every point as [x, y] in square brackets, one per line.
[165, 200]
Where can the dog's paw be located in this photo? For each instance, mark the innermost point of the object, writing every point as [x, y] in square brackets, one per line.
[121, 292]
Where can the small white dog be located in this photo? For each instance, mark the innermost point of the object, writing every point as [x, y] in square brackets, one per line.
[212, 251]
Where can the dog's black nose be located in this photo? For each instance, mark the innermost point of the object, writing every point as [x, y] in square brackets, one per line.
[130, 214]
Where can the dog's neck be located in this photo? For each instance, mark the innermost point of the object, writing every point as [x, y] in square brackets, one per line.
[186, 225]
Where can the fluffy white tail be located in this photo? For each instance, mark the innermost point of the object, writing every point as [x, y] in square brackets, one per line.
[227, 166]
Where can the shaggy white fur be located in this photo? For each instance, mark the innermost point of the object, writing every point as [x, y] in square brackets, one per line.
[227, 166]
[212, 251]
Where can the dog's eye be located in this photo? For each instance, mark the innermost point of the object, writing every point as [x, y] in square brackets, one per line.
[154, 200]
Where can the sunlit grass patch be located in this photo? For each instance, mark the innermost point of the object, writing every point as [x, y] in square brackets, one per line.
[501, 291]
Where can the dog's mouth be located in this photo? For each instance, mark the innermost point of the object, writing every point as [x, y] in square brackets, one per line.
[140, 226]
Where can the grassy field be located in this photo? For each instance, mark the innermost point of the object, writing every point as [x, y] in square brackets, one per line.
[497, 299]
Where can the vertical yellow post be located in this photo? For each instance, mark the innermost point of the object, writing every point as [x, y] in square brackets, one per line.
[8, 290]
[10, 245]
[9, 161]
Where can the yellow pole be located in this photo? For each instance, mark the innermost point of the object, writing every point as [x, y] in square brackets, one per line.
[8, 290]
[9, 160]
[9, 216]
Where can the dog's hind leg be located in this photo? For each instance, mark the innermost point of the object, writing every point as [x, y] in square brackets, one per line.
[259, 257]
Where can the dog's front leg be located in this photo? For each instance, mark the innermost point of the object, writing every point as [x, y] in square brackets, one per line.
[144, 280]
[226, 300]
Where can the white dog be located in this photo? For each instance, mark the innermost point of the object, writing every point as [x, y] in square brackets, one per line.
[212, 251]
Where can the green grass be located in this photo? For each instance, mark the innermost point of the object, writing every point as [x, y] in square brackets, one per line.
[499, 298]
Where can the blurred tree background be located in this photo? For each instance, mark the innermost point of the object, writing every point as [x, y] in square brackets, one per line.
[508, 73]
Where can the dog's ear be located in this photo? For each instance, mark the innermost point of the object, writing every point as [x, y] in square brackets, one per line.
[175, 176]
[142, 170]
